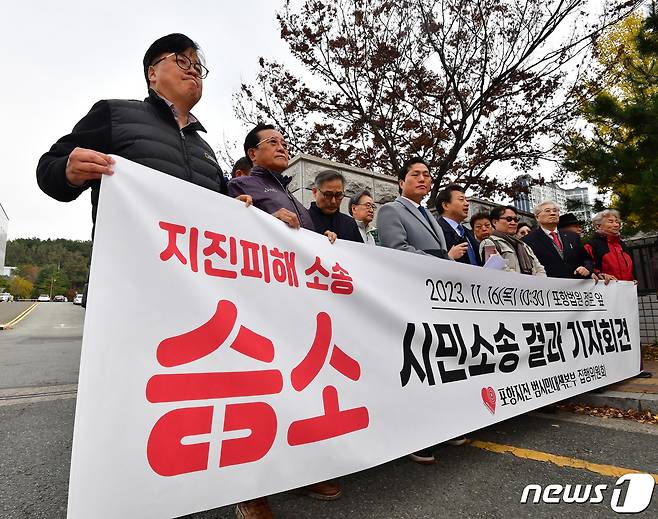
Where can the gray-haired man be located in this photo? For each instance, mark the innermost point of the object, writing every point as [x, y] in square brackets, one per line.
[362, 208]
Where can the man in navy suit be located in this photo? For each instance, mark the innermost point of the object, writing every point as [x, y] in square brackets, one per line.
[560, 252]
[452, 205]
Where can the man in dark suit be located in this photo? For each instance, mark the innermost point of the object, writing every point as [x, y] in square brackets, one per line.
[328, 192]
[452, 205]
[560, 252]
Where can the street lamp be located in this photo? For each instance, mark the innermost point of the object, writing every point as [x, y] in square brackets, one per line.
[52, 280]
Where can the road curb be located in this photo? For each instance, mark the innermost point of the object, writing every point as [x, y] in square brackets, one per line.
[18, 318]
[619, 400]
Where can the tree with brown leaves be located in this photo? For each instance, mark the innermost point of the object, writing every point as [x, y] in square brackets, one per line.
[466, 84]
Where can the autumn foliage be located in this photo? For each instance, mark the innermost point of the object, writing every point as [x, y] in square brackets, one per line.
[466, 84]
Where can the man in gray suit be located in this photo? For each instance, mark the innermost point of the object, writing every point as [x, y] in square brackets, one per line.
[406, 225]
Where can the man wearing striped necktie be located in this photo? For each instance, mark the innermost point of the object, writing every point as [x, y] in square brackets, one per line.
[452, 205]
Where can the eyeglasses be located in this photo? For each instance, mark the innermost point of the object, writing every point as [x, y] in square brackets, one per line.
[510, 219]
[329, 195]
[274, 142]
[185, 63]
[368, 205]
[485, 225]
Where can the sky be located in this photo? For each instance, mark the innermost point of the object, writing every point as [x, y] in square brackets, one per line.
[64, 56]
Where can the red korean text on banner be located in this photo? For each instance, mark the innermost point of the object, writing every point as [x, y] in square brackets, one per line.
[333, 422]
[166, 455]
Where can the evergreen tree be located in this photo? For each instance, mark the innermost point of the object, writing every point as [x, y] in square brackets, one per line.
[618, 151]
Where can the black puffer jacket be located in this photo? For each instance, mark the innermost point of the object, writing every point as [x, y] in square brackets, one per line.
[145, 132]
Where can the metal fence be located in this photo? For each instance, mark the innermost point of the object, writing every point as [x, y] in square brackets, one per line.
[644, 252]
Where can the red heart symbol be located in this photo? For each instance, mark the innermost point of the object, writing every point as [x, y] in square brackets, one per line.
[489, 398]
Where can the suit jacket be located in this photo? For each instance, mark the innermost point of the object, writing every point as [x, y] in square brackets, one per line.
[573, 255]
[452, 238]
[402, 226]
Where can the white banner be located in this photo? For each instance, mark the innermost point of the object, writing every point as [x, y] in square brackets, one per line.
[226, 356]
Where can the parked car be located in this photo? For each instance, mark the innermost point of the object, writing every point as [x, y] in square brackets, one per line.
[60, 299]
[43, 298]
[77, 300]
[5, 297]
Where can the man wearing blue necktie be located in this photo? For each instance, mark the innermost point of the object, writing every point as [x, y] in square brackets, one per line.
[405, 224]
[452, 205]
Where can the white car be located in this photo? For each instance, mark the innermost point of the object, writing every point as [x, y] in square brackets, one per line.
[5, 297]
[77, 300]
[43, 298]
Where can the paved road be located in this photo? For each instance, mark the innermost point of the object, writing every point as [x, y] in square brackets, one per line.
[44, 348]
[36, 428]
[9, 310]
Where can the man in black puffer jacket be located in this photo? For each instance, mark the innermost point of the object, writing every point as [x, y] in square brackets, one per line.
[159, 132]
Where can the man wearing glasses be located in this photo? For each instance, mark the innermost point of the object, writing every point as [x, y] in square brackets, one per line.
[267, 151]
[328, 192]
[517, 255]
[362, 208]
[159, 132]
[561, 252]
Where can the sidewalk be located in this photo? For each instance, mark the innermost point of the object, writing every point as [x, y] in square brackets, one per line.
[638, 394]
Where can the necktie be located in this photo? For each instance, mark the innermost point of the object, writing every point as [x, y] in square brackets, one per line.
[424, 212]
[472, 258]
[557, 241]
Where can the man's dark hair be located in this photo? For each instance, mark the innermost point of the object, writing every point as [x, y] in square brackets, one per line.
[327, 175]
[356, 199]
[242, 163]
[478, 216]
[498, 211]
[445, 196]
[407, 166]
[175, 42]
[252, 140]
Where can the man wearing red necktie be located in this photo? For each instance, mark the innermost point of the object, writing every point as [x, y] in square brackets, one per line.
[560, 252]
